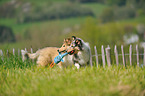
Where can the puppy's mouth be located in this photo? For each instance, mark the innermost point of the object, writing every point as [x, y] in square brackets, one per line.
[71, 52]
[61, 51]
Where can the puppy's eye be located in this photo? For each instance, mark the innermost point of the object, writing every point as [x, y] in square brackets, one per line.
[63, 45]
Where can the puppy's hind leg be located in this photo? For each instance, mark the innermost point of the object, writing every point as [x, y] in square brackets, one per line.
[60, 65]
[42, 61]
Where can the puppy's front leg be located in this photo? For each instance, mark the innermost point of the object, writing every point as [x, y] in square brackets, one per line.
[60, 65]
[77, 65]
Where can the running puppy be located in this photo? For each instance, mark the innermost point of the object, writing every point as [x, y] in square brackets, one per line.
[82, 57]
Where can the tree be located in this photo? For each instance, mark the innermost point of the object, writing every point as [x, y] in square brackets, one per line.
[6, 34]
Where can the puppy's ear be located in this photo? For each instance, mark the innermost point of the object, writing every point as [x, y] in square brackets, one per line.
[64, 40]
[74, 37]
[68, 39]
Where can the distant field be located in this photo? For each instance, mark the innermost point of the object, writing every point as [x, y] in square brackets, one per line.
[57, 27]
[19, 28]
[64, 23]
[24, 78]
[96, 8]
[45, 27]
[52, 32]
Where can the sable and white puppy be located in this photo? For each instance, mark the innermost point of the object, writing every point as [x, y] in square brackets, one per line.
[82, 57]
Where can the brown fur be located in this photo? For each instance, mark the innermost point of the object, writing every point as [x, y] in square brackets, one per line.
[44, 56]
[47, 56]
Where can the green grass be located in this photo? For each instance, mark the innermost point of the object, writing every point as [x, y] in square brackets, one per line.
[140, 20]
[25, 79]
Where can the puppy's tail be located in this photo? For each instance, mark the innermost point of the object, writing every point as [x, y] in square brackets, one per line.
[26, 55]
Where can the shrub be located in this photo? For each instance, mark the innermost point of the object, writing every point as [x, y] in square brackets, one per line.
[57, 11]
[140, 12]
[6, 34]
[7, 10]
[87, 1]
[117, 13]
[124, 13]
[116, 2]
[107, 15]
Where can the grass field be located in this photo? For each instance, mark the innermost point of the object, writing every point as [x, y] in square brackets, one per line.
[19, 78]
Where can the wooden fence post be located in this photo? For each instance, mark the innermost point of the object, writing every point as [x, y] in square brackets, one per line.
[19, 52]
[13, 52]
[32, 52]
[1, 54]
[123, 57]
[144, 57]
[25, 49]
[96, 55]
[7, 53]
[116, 55]
[137, 55]
[130, 55]
[91, 64]
[103, 55]
[108, 55]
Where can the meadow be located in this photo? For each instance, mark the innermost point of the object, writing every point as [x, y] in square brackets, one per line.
[18, 78]
[26, 79]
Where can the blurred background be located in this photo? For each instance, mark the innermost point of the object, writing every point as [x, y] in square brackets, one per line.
[42, 23]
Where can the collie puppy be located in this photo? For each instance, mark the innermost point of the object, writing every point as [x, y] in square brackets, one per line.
[82, 57]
